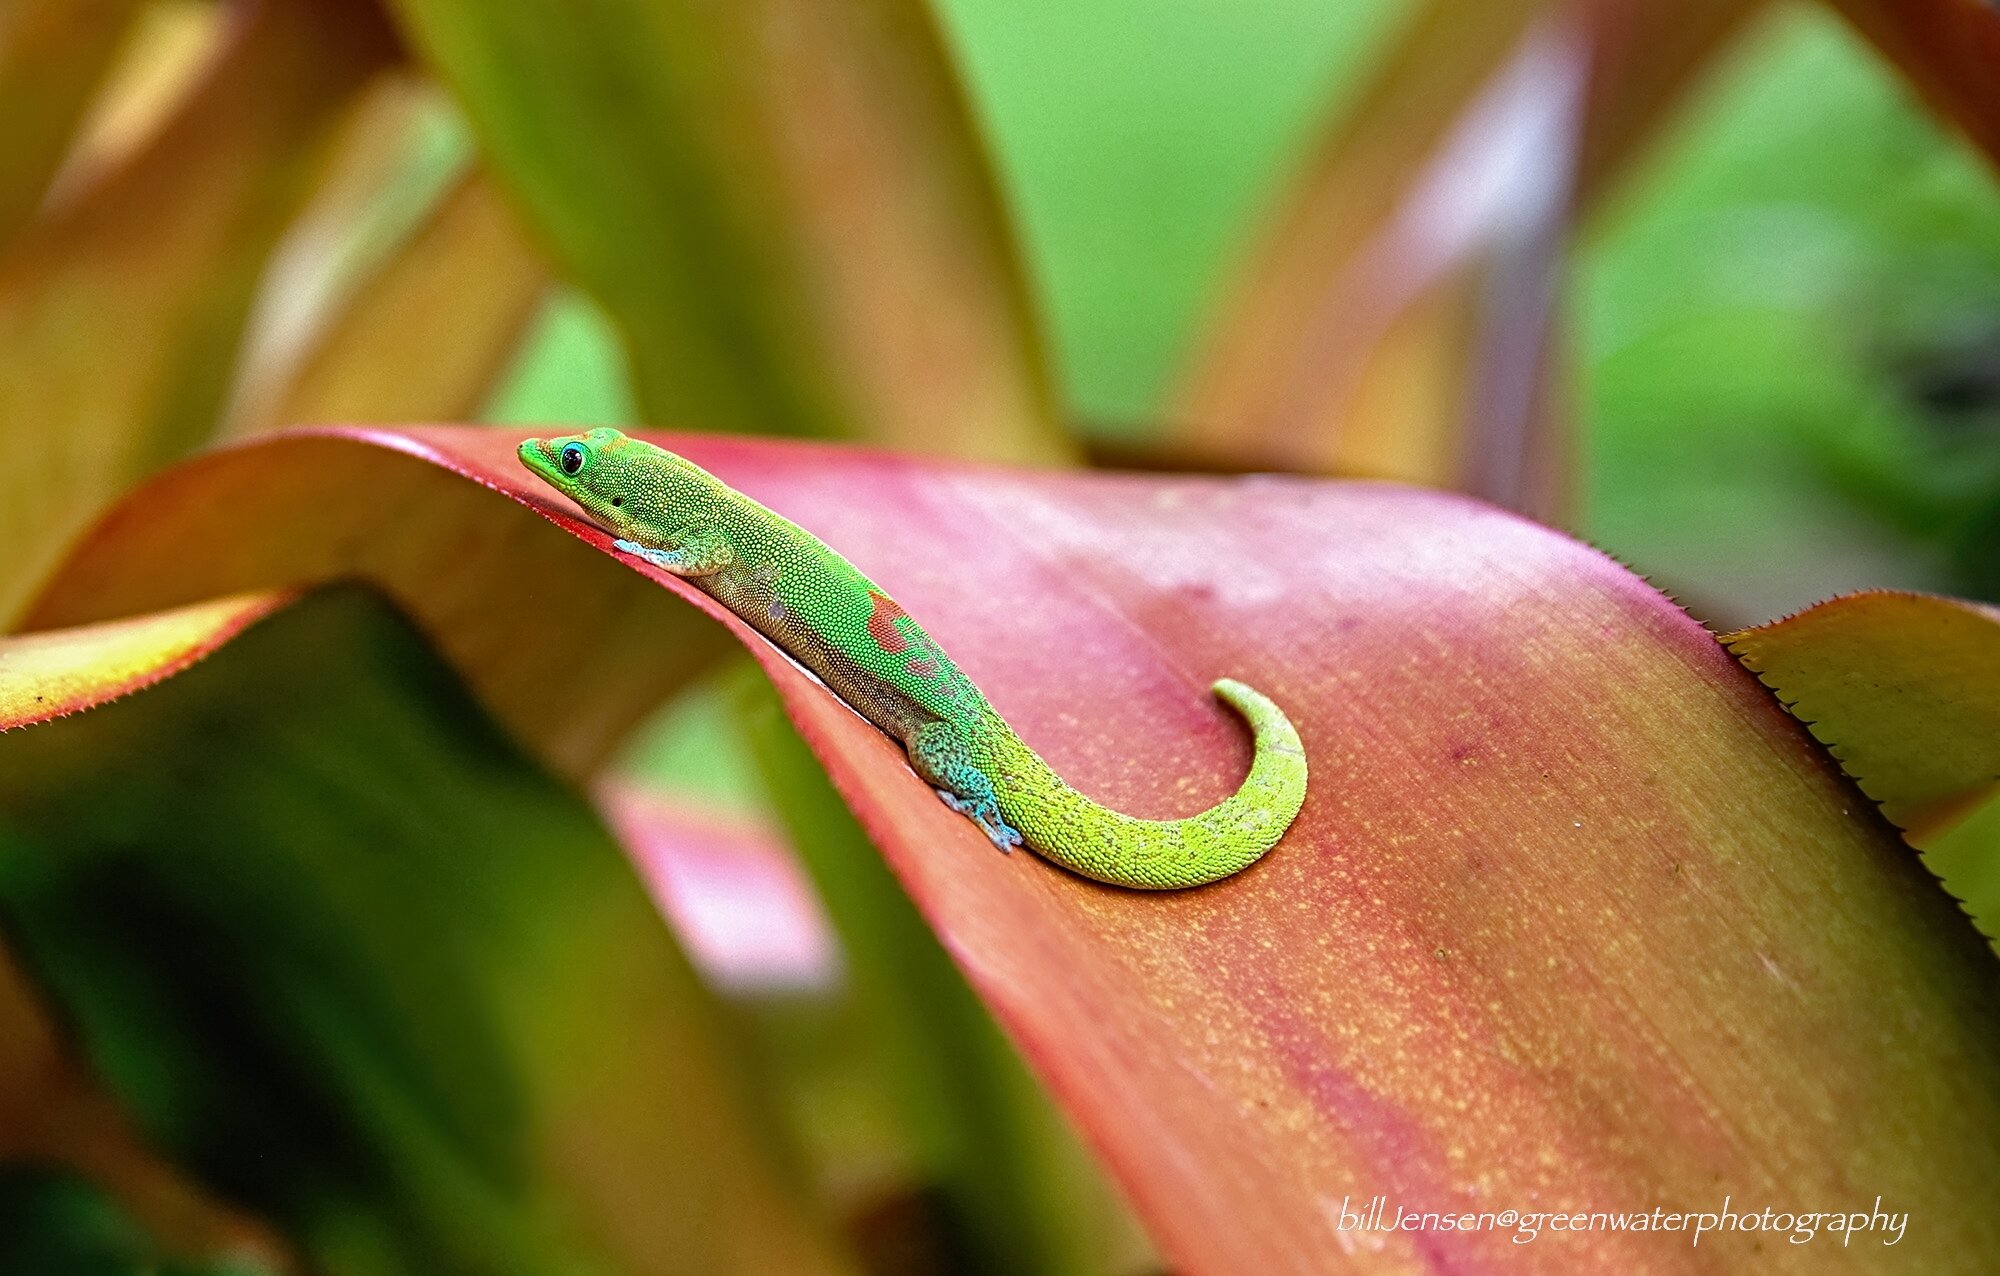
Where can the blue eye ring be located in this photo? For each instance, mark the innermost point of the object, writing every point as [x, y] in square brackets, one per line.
[572, 457]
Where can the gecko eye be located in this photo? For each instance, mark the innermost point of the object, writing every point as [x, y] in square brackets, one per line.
[572, 458]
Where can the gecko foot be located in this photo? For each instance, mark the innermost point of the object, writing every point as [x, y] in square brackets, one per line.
[1004, 835]
[986, 815]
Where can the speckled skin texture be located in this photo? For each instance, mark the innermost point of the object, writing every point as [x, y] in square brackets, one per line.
[820, 609]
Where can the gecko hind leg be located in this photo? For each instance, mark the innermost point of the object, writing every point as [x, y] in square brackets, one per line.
[940, 754]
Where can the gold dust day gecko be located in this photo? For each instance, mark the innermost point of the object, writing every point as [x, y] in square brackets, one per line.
[818, 607]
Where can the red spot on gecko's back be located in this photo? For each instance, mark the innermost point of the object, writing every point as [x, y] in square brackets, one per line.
[921, 668]
[882, 617]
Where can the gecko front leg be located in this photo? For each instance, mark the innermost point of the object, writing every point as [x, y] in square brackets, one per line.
[702, 551]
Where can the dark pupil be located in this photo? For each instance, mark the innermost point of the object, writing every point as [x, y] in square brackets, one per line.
[572, 459]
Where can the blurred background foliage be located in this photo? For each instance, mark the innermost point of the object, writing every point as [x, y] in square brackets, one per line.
[1780, 324]
[1786, 319]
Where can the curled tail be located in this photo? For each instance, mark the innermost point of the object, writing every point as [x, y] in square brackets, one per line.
[1064, 826]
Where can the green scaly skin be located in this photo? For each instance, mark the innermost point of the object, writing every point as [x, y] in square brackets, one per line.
[814, 604]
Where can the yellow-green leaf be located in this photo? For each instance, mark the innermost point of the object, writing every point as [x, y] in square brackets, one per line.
[1905, 690]
[58, 672]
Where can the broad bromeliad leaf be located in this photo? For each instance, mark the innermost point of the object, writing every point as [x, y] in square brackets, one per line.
[1401, 320]
[1904, 689]
[356, 963]
[783, 207]
[1575, 916]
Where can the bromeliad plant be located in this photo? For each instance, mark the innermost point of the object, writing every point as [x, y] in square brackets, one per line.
[323, 955]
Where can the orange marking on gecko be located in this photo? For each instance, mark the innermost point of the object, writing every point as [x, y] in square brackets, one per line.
[921, 668]
[882, 618]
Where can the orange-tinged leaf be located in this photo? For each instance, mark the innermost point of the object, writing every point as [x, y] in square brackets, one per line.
[782, 205]
[1650, 55]
[429, 331]
[504, 603]
[50, 674]
[52, 55]
[1905, 690]
[390, 160]
[1950, 50]
[1575, 916]
[119, 318]
[1401, 321]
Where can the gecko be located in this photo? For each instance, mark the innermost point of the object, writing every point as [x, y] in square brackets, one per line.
[823, 612]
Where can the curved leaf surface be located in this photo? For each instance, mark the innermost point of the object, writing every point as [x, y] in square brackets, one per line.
[1904, 689]
[1575, 917]
[507, 605]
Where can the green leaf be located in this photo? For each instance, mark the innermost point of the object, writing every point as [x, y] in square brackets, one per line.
[58, 1225]
[75, 1174]
[783, 207]
[355, 962]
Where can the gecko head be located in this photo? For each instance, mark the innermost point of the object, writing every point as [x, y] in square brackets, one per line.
[620, 483]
